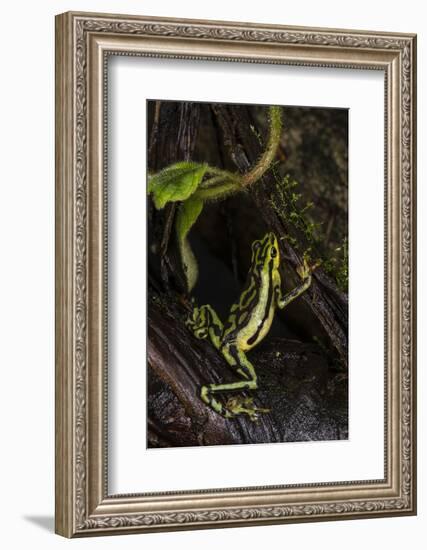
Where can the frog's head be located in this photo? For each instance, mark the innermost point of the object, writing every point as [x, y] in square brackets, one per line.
[264, 252]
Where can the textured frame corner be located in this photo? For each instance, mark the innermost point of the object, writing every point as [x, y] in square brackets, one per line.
[83, 41]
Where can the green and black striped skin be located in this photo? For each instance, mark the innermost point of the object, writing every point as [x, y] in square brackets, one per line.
[248, 323]
[250, 319]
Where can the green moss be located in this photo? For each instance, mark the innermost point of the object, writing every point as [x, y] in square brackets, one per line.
[289, 206]
[337, 266]
[304, 234]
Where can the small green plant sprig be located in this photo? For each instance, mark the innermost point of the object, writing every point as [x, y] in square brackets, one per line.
[192, 184]
[287, 206]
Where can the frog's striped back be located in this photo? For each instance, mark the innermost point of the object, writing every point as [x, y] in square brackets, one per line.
[251, 317]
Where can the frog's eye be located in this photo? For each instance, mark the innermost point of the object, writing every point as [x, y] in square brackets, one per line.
[273, 252]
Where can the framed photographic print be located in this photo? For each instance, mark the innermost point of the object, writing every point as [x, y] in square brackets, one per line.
[235, 274]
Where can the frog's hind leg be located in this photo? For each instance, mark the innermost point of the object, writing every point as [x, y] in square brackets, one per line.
[205, 322]
[235, 406]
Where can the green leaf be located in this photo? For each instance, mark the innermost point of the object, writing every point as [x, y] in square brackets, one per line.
[175, 183]
[188, 213]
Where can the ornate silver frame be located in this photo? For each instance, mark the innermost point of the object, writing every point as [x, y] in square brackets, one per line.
[83, 506]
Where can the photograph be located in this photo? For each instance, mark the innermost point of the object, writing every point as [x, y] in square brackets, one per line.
[247, 286]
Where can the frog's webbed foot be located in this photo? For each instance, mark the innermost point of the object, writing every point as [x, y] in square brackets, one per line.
[305, 270]
[244, 405]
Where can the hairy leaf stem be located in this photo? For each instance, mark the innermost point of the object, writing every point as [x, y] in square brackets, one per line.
[224, 183]
[267, 157]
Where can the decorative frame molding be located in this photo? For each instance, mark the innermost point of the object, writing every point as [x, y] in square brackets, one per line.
[83, 506]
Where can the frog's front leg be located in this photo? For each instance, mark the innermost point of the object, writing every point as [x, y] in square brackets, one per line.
[305, 273]
[235, 405]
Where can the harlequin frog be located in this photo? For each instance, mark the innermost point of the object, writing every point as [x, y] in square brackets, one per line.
[248, 323]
